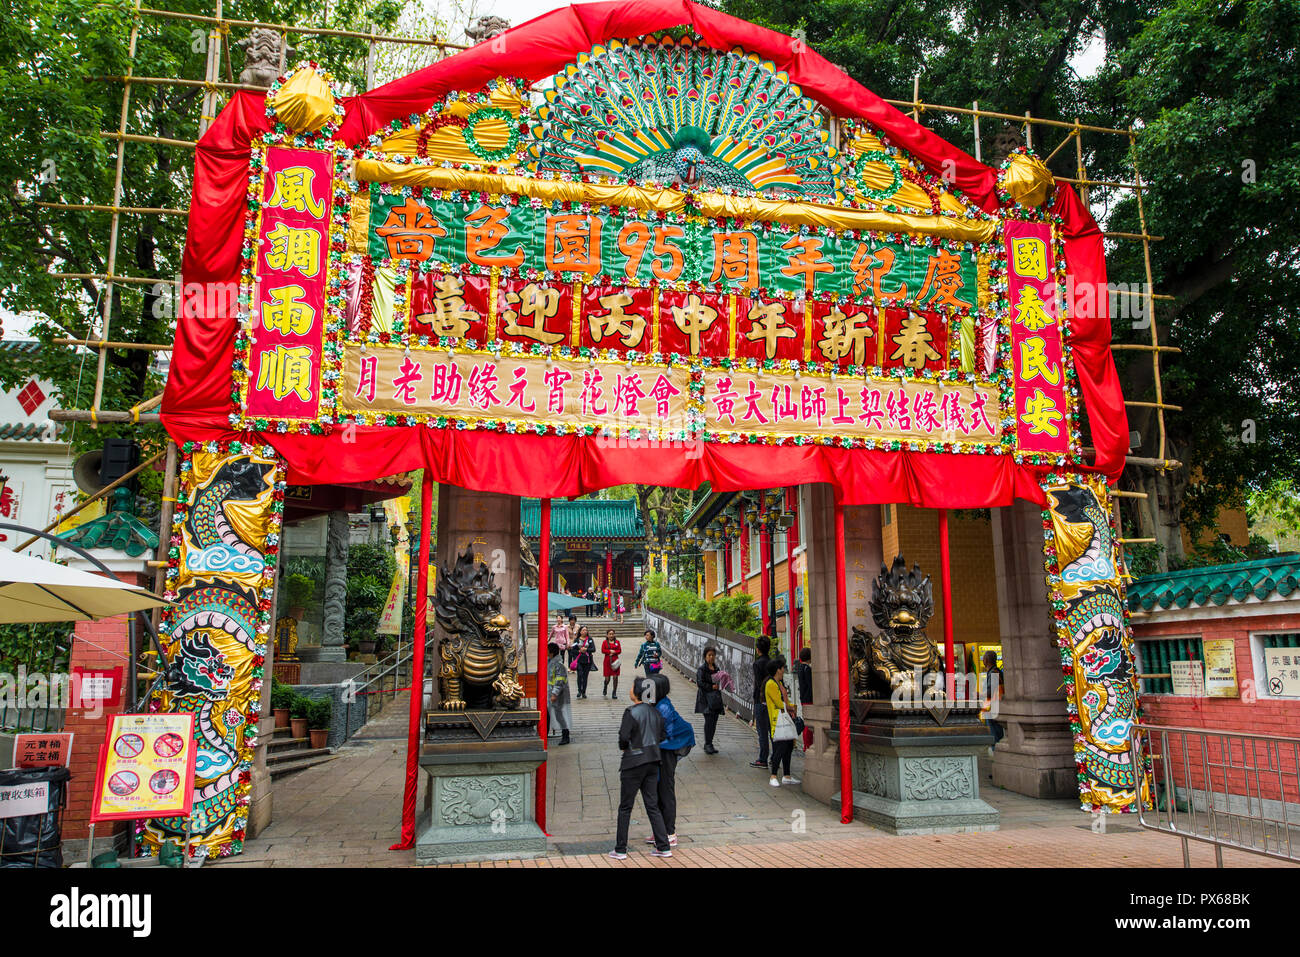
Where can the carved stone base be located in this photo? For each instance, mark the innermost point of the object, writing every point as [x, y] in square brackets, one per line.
[479, 802]
[480, 811]
[917, 772]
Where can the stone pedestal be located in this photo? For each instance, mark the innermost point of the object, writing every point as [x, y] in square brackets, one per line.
[917, 771]
[479, 800]
[1037, 755]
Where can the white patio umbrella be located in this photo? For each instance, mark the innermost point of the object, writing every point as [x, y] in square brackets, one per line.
[35, 590]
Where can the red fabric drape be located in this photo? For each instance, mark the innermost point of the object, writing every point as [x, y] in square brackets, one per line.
[197, 403]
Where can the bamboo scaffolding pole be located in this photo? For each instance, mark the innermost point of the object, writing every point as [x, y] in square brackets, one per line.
[1161, 297]
[111, 264]
[1151, 311]
[1139, 347]
[165, 513]
[1069, 136]
[177, 81]
[1153, 405]
[1080, 171]
[109, 344]
[108, 277]
[98, 495]
[1029, 131]
[95, 416]
[1120, 493]
[141, 138]
[208, 107]
[314, 31]
[1137, 236]
[100, 208]
[147, 404]
[1134, 541]
[938, 107]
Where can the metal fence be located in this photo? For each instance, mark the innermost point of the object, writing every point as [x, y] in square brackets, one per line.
[1224, 788]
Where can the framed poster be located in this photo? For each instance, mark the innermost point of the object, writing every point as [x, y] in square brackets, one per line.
[1188, 678]
[146, 767]
[1220, 668]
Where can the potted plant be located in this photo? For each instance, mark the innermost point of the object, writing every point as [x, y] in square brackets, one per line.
[298, 590]
[319, 713]
[281, 702]
[298, 715]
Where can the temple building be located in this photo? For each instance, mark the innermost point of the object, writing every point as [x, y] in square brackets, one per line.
[594, 542]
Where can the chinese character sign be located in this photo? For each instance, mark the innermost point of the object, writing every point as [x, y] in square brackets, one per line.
[1043, 417]
[287, 311]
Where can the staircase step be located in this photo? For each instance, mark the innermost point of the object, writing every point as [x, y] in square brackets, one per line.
[281, 757]
[277, 745]
[285, 768]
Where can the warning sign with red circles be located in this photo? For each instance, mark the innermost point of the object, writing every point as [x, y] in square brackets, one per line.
[146, 767]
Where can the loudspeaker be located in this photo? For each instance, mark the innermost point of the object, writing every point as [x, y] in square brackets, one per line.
[120, 457]
[93, 470]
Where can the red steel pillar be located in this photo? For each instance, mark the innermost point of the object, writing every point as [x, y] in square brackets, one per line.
[946, 577]
[543, 685]
[417, 670]
[842, 623]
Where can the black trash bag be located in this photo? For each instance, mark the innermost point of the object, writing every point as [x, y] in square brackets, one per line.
[20, 837]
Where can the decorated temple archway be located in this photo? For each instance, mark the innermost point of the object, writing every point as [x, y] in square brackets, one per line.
[629, 243]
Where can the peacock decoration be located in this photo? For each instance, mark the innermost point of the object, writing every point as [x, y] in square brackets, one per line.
[676, 112]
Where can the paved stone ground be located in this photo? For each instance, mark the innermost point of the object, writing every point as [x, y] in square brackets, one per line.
[347, 812]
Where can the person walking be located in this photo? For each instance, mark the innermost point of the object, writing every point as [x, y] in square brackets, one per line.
[679, 738]
[621, 608]
[559, 710]
[586, 661]
[591, 601]
[777, 703]
[560, 632]
[573, 641]
[762, 644]
[708, 696]
[992, 695]
[612, 649]
[649, 654]
[803, 675]
[639, 734]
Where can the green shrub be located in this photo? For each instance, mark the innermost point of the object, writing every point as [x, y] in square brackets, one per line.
[319, 712]
[281, 695]
[298, 705]
[733, 612]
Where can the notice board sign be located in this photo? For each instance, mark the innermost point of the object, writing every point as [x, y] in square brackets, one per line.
[43, 750]
[1188, 678]
[146, 767]
[1220, 668]
[1282, 669]
[96, 686]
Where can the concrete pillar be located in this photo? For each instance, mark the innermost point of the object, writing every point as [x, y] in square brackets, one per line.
[489, 523]
[332, 644]
[1037, 755]
[863, 556]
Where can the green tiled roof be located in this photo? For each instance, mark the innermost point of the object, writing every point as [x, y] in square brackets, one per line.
[1217, 584]
[586, 518]
[26, 431]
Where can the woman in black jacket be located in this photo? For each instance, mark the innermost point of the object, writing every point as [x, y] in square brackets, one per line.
[708, 697]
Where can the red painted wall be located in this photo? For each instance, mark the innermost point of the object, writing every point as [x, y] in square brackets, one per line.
[1250, 713]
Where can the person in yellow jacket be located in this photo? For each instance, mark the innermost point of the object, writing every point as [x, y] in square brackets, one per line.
[783, 735]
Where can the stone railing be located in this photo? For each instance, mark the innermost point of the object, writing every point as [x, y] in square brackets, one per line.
[683, 643]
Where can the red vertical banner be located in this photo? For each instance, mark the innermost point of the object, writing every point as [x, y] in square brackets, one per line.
[1037, 356]
[292, 262]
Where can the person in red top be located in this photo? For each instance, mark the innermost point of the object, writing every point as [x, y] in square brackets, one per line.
[611, 648]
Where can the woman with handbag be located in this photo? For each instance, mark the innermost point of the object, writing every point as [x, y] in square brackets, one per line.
[781, 719]
[585, 663]
[708, 696]
[560, 712]
[611, 648]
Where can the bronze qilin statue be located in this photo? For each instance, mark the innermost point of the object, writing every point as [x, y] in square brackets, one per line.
[901, 604]
[480, 668]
